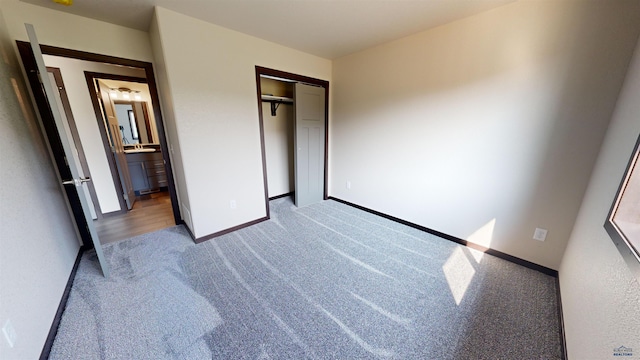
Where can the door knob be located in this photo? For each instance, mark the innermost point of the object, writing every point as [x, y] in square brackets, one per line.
[76, 182]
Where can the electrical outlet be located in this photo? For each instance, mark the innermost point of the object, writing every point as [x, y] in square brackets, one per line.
[348, 184]
[233, 204]
[540, 234]
[9, 333]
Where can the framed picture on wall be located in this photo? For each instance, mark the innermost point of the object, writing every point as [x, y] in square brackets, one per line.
[623, 221]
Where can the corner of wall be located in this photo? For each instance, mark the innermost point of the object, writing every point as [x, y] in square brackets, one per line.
[166, 105]
[39, 242]
[600, 295]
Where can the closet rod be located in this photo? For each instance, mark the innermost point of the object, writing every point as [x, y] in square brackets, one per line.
[275, 102]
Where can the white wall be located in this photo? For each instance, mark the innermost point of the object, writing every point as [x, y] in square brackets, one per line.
[210, 76]
[278, 148]
[171, 129]
[75, 83]
[76, 157]
[600, 297]
[487, 125]
[38, 243]
[65, 30]
[61, 29]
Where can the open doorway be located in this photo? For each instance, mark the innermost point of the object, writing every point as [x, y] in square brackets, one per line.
[140, 214]
[123, 107]
[293, 113]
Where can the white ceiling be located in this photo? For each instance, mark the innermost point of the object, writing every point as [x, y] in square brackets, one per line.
[326, 28]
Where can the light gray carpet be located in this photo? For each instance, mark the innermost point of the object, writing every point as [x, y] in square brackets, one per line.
[326, 281]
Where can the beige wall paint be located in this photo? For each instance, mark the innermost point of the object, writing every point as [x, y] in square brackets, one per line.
[171, 130]
[600, 296]
[38, 244]
[211, 79]
[65, 30]
[72, 71]
[493, 119]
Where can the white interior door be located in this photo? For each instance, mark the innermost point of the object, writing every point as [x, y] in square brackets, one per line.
[74, 146]
[309, 103]
[117, 146]
[77, 180]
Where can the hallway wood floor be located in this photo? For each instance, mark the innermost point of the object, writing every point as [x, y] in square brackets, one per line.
[149, 213]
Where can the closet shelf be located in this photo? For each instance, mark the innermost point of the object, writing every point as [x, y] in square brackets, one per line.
[276, 101]
[271, 98]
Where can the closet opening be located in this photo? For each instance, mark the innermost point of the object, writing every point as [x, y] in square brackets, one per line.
[293, 115]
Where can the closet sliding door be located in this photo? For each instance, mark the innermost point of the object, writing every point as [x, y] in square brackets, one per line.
[309, 105]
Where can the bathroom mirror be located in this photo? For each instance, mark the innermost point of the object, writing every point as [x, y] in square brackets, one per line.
[135, 125]
[623, 221]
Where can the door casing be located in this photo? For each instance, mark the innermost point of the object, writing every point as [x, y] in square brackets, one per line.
[116, 145]
[26, 55]
[303, 79]
[91, 78]
[59, 82]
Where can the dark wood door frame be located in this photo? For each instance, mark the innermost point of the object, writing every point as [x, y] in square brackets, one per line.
[29, 64]
[52, 138]
[303, 79]
[98, 109]
[64, 99]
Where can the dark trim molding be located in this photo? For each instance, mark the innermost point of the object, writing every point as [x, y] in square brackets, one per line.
[226, 231]
[83, 55]
[92, 87]
[496, 253]
[262, 147]
[98, 109]
[563, 336]
[186, 227]
[326, 141]
[300, 78]
[155, 101]
[117, 78]
[62, 90]
[282, 196]
[53, 331]
[51, 137]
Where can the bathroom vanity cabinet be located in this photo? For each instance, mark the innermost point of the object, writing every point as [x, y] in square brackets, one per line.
[147, 172]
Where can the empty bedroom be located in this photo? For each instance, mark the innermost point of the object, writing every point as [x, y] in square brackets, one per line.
[342, 180]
